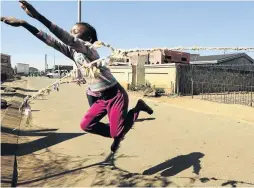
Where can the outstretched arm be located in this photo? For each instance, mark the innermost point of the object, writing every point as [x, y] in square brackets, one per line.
[50, 41]
[60, 33]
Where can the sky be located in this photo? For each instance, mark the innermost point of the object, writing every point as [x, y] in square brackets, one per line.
[132, 24]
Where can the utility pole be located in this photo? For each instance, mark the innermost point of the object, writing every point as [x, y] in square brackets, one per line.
[59, 71]
[54, 60]
[79, 10]
[46, 65]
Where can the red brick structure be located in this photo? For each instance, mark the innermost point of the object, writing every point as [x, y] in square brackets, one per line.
[160, 57]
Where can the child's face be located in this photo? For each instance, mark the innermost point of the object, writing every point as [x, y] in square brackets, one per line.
[78, 32]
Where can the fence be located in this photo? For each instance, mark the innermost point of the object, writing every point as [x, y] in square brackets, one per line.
[231, 84]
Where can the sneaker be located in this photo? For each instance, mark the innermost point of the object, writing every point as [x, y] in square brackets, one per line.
[115, 145]
[142, 106]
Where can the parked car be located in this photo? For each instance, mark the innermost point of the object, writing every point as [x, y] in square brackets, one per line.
[57, 74]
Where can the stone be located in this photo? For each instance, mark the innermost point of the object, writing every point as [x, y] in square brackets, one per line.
[149, 92]
[4, 103]
[9, 89]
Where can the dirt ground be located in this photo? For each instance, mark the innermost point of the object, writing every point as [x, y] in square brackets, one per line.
[10, 122]
[8, 98]
[184, 143]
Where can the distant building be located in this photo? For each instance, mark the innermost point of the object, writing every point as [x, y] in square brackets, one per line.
[159, 57]
[239, 61]
[68, 68]
[22, 69]
[210, 73]
[203, 74]
[225, 59]
[6, 69]
[34, 71]
[64, 67]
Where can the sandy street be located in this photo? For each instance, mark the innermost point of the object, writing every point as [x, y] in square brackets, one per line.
[184, 143]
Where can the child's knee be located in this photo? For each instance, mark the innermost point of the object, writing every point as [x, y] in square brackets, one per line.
[113, 134]
[84, 124]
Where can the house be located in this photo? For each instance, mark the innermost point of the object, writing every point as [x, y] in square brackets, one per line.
[157, 68]
[6, 69]
[209, 74]
[225, 59]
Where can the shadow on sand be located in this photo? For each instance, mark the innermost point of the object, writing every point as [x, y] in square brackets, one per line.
[108, 174]
[49, 139]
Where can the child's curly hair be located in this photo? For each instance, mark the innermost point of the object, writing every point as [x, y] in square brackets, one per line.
[90, 31]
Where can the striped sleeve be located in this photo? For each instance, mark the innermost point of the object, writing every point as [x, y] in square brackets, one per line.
[52, 42]
[76, 43]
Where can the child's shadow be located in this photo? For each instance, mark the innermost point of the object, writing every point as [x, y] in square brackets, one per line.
[178, 164]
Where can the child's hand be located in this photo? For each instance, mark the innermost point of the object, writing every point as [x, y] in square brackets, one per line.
[29, 9]
[12, 21]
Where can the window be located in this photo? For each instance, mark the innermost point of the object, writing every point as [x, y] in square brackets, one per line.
[4, 61]
[168, 57]
[184, 59]
[165, 61]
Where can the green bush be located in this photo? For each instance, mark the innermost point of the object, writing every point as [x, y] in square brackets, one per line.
[140, 87]
[148, 89]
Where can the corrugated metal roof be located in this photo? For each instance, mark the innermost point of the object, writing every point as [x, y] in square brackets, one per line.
[197, 59]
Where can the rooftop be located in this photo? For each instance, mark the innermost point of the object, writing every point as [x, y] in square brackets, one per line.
[195, 58]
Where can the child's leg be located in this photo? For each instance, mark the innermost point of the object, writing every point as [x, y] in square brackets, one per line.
[117, 113]
[121, 121]
[90, 121]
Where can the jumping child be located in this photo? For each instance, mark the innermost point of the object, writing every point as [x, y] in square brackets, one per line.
[112, 98]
